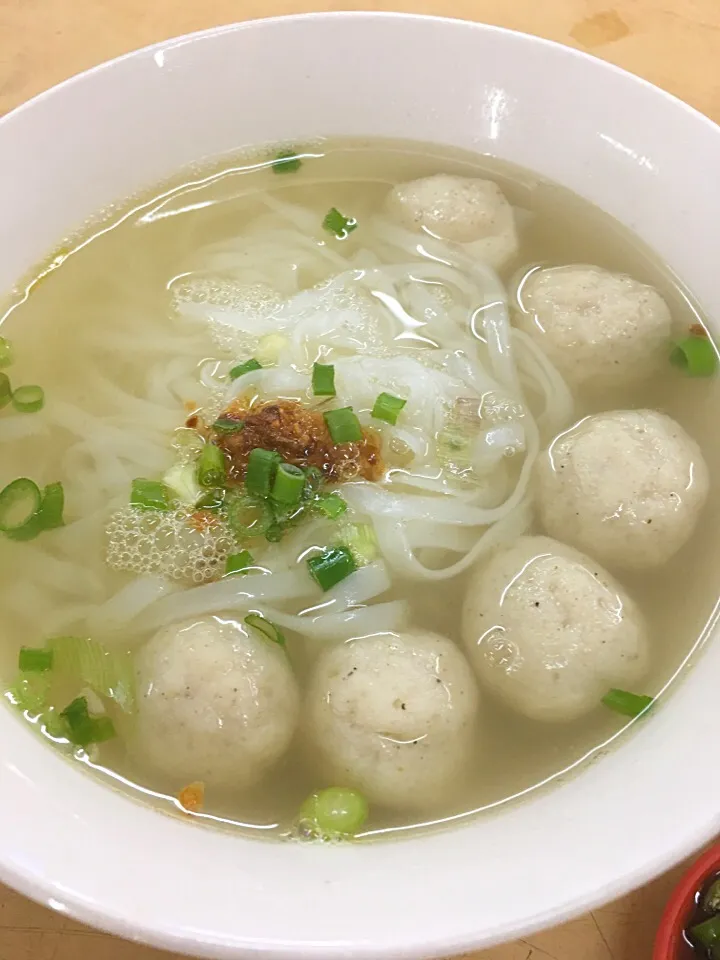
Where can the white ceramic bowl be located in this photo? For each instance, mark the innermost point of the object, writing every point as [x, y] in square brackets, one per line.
[648, 159]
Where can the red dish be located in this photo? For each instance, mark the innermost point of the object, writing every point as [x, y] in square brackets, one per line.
[670, 943]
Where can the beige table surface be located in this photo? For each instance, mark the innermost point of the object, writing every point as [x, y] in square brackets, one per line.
[674, 43]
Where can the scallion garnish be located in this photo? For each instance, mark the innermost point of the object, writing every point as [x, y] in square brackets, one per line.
[288, 485]
[6, 357]
[31, 691]
[86, 662]
[628, 704]
[82, 729]
[338, 224]
[336, 813]
[19, 503]
[286, 161]
[149, 495]
[28, 399]
[212, 500]
[323, 379]
[45, 517]
[35, 659]
[696, 356]
[238, 562]
[343, 425]
[182, 482]
[707, 933]
[261, 468]
[242, 368]
[211, 466]
[332, 566]
[360, 539]
[387, 407]
[5, 390]
[275, 532]
[228, 425]
[331, 505]
[266, 627]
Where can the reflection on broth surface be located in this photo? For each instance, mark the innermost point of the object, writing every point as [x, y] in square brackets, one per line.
[315, 424]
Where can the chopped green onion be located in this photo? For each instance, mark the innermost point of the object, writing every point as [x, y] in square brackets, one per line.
[274, 533]
[323, 379]
[360, 539]
[711, 900]
[261, 468]
[238, 562]
[247, 367]
[696, 356]
[707, 933]
[212, 500]
[228, 425]
[28, 399]
[286, 161]
[331, 505]
[332, 566]
[109, 673]
[313, 480]
[211, 466]
[181, 480]
[53, 504]
[149, 495]
[334, 813]
[19, 503]
[5, 390]
[46, 517]
[6, 356]
[82, 729]
[343, 425]
[288, 485]
[387, 408]
[35, 659]
[54, 724]
[265, 627]
[31, 691]
[247, 516]
[628, 704]
[336, 223]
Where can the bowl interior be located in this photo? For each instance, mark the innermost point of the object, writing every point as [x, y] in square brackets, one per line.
[636, 152]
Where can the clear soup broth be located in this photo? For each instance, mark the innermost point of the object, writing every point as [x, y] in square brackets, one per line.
[140, 331]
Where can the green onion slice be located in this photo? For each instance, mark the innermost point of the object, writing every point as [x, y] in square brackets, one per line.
[31, 691]
[275, 532]
[149, 495]
[19, 502]
[360, 539]
[628, 704]
[6, 355]
[228, 425]
[334, 813]
[343, 425]
[211, 466]
[261, 468]
[182, 482]
[247, 516]
[5, 390]
[323, 379]
[212, 500]
[330, 505]
[707, 933]
[110, 673]
[28, 399]
[266, 627]
[288, 485]
[338, 224]
[387, 408]
[82, 729]
[238, 562]
[35, 659]
[286, 161]
[247, 367]
[332, 566]
[46, 517]
[696, 356]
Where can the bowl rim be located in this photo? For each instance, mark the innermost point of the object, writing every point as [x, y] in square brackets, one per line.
[27, 882]
[679, 906]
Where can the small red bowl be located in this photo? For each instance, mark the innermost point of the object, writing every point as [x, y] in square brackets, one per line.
[670, 943]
